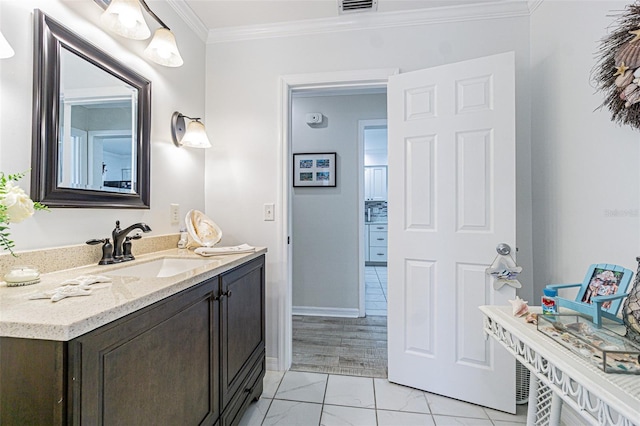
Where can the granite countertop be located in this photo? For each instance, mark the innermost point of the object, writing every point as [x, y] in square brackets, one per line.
[71, 317]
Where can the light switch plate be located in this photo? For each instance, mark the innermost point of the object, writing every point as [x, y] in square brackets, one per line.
[269, 213]
[175, 214]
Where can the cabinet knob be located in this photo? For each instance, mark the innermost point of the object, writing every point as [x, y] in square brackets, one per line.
[226, 293]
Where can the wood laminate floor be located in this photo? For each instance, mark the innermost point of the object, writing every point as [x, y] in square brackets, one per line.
[347, 346]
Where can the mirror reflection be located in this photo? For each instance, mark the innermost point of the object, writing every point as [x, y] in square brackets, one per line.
[98, 135]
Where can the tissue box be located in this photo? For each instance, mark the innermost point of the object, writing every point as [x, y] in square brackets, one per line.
[600, 346]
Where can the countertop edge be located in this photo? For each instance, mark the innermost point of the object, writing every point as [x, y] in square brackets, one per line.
[81, 325]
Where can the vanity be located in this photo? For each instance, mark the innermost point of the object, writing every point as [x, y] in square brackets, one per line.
[184, 349]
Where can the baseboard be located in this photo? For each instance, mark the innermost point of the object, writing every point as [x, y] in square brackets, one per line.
[325, 312]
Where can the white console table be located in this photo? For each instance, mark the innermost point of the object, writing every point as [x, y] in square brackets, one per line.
[560, 377]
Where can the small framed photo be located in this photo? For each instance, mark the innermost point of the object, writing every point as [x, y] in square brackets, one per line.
[314, 169]
[602, 282]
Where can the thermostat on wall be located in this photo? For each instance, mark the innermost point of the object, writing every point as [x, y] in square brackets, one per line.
[314, 118]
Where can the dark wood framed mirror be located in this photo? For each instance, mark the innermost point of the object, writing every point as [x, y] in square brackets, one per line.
[91, 124]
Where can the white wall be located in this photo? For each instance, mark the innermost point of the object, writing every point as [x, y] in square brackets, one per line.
[243, 170]
[176, 174]
[326, 220]
[584, 166]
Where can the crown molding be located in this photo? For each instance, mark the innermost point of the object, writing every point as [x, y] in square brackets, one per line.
[533, 5]
[190, 18]
[373, 20]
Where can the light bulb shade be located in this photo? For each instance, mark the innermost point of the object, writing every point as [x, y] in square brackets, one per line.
[6, 51]
[124, 17]
[195, 136]
[163, 49]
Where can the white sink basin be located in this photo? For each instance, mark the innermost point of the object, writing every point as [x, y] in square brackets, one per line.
[159, 268]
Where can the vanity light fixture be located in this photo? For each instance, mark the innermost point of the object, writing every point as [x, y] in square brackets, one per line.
[6, 51]
[192, 135]
[125, 17]
[163, 49]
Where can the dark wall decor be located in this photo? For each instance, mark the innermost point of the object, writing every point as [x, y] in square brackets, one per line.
[617, 72]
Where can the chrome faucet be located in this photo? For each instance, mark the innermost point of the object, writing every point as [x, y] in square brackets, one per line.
[119, 236]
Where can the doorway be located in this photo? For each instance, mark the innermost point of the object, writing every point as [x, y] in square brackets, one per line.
[372, 136]
[330, 333]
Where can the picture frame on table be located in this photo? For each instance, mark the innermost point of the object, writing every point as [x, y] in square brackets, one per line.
[603, 281]
[314, 169]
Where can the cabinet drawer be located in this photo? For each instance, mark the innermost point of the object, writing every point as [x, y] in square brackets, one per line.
[378, 254]
[377, 228]
[378, 239]
[250, 390]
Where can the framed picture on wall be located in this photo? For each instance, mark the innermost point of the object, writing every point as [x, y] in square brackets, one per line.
[314, 169]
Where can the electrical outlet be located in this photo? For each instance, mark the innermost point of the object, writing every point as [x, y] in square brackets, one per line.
[269, 211]
[175, 214]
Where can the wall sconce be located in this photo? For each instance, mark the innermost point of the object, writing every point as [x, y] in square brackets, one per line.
[6, 51]
[192, 135]
[125, 17]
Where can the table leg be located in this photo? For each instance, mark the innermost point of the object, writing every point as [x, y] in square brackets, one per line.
[556, 410]
[533, 396]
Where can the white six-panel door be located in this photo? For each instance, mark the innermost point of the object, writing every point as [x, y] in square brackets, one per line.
[451, 202]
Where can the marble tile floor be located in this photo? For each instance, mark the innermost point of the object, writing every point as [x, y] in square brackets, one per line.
[299, 399]
[375, 281]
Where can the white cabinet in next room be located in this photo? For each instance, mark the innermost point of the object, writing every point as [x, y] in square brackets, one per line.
[375, 183]
[377, 243]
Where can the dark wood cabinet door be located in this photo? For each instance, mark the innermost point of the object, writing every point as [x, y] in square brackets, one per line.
[158, 366]
[242, 305]
[32, 382]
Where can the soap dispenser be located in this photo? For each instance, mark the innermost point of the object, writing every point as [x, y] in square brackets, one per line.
[183, 241]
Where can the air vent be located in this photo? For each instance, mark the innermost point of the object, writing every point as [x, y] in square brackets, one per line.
[351, 6]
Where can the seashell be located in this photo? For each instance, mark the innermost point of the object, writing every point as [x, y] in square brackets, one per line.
[636, 73]
[632, 98]
[519, 306]
[532, 318]
[625, 79]
[628, 54]
[627, 91]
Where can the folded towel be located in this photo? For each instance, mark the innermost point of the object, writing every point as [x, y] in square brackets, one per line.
[213, 251]
[87, 280]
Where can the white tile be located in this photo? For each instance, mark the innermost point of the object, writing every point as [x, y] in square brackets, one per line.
[508, 423]
[255, 412]
[396, 418]
[333, 415]
[271, 382]
[292, 413]
[390, 396]
[299, 386]
[464, 421]
[453, 407]
[519, 417]
[350, 391]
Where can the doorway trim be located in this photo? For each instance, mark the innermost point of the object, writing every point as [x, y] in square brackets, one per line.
[355, 79]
